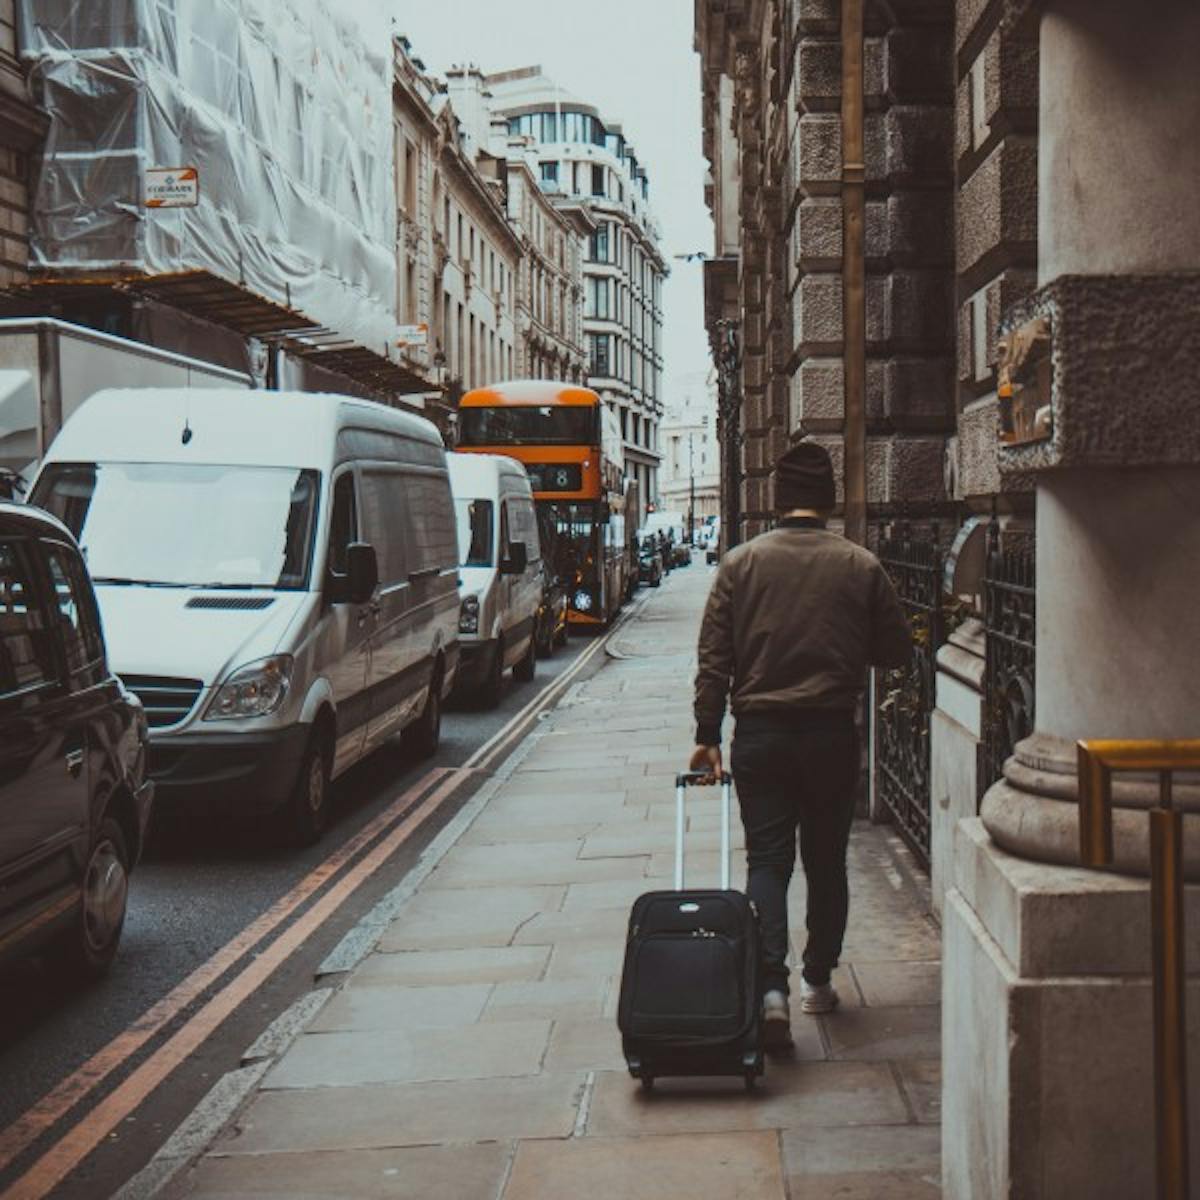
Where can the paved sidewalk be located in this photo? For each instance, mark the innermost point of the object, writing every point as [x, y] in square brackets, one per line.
[474, 1055]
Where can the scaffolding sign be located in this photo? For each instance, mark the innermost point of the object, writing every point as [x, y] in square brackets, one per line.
[172, 187]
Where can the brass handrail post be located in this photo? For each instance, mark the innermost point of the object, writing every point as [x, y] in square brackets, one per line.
[1097, 762]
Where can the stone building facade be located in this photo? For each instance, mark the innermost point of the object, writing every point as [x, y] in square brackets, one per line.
[554, 239]
[477, 252]
[22, 128]
[416, 148]
[586, 160]
[772, 128]
[1032, 253]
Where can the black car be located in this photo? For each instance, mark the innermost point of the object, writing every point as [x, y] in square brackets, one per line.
[650, 560]
[551, 630]
[74, 799]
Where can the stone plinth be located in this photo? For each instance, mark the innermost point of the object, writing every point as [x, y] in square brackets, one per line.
[1047, 1031]
[956, 731]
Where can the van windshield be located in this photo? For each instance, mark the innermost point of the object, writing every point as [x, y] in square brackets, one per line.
[474, 532]
[179, 525]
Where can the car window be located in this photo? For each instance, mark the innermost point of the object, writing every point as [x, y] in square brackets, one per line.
[432, 529]
[26, 650]
[73, 608]
[385, 499]
[523, 527]
[343, 522]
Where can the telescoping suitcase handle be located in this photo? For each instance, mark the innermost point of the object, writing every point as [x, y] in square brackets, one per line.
[683, 781]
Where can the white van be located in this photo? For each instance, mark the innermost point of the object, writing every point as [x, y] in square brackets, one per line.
[278, 579]
[500, 561]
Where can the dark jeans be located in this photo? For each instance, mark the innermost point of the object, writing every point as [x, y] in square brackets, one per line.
[797, 773]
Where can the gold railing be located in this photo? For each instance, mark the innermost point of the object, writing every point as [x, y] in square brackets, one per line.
[1098, 760]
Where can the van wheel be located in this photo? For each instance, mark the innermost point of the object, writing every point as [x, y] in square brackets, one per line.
[90, 945]
[423, 736]
[307, 812]
[493, 684]
[525, 670]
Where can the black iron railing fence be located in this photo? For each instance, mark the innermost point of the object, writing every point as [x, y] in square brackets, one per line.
[1010, 624]
[904, 698]
[915, 559]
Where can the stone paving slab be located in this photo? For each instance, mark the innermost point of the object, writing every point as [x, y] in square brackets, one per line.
[396, 1007]
[413, 1114]
[421, 1054]
[886, 1033]
[795, 1093]
[900, 982]
[554, 862]
[890, 1162]
[714, 1167]
[472, 1172]
[548, 999]
[485, 964]
[585, 1045]
[922, 1083]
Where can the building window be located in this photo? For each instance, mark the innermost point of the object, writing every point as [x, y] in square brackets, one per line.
[598, 244]
[597, 180]
[410, 179]
[599, 350]
[597, 298]
[550, 172]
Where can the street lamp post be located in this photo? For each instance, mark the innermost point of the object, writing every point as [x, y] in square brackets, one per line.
[691, 494]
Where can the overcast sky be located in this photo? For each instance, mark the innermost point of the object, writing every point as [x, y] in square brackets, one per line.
[633, 60]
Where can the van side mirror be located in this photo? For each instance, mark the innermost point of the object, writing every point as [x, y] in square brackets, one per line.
[515, 559]
[361, 579]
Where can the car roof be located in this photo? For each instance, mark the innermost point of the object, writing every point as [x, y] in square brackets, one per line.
[226, 426]
[26, 519]
[484, 470]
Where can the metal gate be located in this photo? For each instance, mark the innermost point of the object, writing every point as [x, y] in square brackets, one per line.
[905, 697]
[1010, 620]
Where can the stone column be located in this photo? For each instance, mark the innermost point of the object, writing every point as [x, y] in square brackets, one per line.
[1049, 1076]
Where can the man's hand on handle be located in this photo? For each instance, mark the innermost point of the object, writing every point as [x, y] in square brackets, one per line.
[708, 760]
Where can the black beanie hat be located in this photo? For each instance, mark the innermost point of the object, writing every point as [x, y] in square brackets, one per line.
[804, 478]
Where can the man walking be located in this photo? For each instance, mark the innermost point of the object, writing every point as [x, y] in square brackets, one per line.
[794, 618]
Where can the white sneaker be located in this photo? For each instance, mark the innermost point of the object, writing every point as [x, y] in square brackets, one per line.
[777, 1020]
[817, 997]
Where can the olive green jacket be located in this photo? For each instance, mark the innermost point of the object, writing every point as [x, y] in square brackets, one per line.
[794, 618]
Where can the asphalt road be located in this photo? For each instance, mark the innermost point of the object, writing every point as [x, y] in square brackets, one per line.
[197, 890]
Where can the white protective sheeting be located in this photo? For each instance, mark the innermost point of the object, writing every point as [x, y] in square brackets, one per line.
[283, 106]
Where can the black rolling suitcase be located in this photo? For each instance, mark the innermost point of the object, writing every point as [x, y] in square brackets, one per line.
[690, 1000]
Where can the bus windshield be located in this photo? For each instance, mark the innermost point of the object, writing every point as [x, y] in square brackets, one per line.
[575, 544]
[529, 424]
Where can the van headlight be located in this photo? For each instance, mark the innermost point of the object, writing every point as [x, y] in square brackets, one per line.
[583, 601]
[255, 690]
[468, 615]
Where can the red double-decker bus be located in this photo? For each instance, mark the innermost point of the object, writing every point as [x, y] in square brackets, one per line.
[572, 449]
